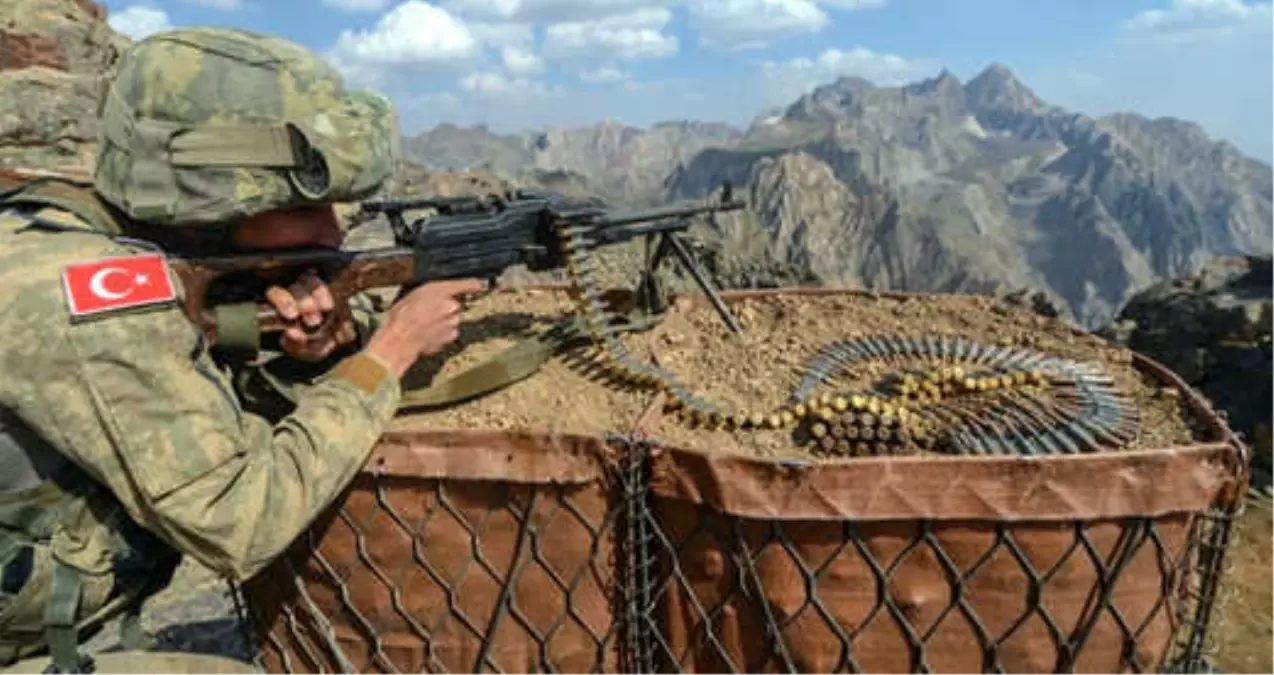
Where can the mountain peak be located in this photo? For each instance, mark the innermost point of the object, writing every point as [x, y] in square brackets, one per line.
[946, 81]
[997, 72]
[996, 87]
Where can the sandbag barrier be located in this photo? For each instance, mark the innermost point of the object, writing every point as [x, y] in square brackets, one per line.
[483, 551]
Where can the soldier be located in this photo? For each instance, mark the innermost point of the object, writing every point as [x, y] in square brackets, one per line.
[123, 444]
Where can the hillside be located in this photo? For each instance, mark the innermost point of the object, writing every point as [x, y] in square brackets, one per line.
[934, 186]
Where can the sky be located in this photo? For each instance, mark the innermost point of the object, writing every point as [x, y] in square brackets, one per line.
[518, 65]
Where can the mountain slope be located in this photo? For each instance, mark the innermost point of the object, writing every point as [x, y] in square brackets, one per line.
[935, 186]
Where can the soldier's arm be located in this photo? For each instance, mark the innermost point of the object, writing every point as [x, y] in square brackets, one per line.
[221, 484]
[269, 385]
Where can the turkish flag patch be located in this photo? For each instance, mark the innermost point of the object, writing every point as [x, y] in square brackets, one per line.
[117, 283]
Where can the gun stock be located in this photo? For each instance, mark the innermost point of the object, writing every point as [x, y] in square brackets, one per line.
[346, 273]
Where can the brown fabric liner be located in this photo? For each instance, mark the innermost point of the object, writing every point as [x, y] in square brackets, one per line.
[516, 457]
[996, 488]
[1000, 628]
[463, 496]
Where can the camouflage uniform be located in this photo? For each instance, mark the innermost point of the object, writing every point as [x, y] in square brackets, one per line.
[125, 419]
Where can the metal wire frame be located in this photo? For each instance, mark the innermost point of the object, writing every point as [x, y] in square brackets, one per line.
[301, 637]
[645, 569]
[1190, 582]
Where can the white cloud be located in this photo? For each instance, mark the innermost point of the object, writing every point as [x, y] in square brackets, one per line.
[1200, 21]
[357, 5]
[635, 35]
[550, 11]
[786, 80]
[415, 33]
[138, 21]
[499, 34]
[740, 24]
[601, 75]
[493, 85]
[521, 62]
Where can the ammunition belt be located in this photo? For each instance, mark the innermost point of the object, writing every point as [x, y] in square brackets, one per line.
[969, 398]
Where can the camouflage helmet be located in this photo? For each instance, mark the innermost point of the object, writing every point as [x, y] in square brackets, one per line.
[208, 125]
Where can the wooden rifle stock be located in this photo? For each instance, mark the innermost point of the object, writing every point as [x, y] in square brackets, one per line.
[345, 273]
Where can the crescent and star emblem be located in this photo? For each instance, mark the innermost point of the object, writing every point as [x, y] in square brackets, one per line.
[122, 282]
[97, 284]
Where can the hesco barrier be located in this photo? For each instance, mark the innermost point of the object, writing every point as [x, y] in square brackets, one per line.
[455, 551]
[485, 551]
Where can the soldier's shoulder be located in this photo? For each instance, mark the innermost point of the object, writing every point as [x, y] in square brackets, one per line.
[57, 270]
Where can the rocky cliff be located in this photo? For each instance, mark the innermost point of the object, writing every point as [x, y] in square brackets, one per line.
[1213, 329]
[54, 56]
[934, 186]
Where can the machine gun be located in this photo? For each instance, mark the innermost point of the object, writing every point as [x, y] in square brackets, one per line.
[468, 237]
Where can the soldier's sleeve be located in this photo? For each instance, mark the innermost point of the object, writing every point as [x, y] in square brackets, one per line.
[269, 384]
[367, 311]
[221, 484]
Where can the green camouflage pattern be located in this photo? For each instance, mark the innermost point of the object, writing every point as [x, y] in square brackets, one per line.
[136, 400]
[209, 125]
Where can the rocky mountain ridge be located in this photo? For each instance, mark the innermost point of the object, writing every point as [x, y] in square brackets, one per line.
[936, 186]
[55, 56]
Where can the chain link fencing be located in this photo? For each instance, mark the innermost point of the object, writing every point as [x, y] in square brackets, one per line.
[807, 593]
[519, 552]
[471, 553]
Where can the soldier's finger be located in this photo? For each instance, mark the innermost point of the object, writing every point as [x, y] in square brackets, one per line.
[347, 334]
[283, 302]
[454, 287]
[320, 350]
[319, 291]
[306, 304]
[293, 340]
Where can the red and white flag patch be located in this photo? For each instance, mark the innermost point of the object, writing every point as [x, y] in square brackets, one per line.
[117, 283]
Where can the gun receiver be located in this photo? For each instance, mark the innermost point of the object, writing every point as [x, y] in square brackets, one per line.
[468, 237]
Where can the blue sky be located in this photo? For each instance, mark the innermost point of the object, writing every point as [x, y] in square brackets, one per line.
[522, 64]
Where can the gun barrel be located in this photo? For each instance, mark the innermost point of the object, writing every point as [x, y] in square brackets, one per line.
[667, 212]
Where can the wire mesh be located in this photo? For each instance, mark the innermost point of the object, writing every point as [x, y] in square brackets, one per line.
[1195, 649]
[462, 575]
[434, 575]
[746, 595]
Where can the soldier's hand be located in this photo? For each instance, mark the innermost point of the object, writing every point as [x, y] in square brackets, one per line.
[309, 300]
[422, 323]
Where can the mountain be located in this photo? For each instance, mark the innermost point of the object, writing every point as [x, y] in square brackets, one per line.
[936, 186]
[54, 56]
[624, 163]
